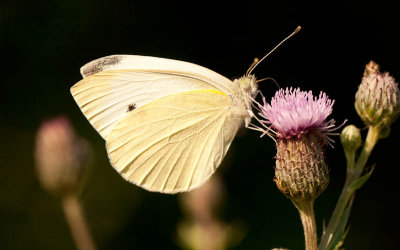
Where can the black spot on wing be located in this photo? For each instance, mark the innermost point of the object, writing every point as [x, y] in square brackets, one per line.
[131, 107]
[100, 64]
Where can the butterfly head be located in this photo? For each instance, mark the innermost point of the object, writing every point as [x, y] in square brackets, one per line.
[248, 89]
[248, 84]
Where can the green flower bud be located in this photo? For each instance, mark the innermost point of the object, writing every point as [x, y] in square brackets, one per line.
[378, 98]
[351, 138]
[351, 141]
[300, 172]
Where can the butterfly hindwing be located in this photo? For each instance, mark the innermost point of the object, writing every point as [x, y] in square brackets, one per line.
[174, 143]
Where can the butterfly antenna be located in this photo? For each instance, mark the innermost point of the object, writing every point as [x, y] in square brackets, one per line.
[256, 63]
[269, 78]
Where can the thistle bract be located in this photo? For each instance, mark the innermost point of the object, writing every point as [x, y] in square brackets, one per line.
[378, 98]
[300, 171]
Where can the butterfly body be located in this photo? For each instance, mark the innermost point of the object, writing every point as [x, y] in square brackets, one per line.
[182, 117]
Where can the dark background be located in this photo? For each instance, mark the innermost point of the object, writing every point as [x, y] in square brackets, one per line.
[44, 43]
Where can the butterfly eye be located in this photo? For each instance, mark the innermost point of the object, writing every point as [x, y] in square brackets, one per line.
[244, 83]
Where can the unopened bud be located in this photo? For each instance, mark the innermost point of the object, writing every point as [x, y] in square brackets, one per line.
[300, 172]
[378, 98]
[60, 156]
[351, 138]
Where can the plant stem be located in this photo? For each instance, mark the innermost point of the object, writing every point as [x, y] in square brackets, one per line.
[348, 192]
[77, 223]
[306, 210]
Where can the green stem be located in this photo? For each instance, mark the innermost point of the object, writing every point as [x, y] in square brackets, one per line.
[348, 192]
[350, 158]
[306, 210]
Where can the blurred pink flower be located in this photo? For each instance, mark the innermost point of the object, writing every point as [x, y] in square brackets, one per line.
[60, 155]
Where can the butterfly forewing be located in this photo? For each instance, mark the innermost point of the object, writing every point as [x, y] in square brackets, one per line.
[159, 65]
[105, 97]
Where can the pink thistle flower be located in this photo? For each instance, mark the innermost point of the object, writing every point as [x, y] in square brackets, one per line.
[299, 121]
[293, 113]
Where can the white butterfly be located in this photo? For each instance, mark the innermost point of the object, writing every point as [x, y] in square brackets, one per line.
[167, 124]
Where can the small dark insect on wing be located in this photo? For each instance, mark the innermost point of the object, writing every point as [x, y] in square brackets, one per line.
[131, 107]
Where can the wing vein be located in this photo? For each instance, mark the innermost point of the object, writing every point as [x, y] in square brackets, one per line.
[219, 129]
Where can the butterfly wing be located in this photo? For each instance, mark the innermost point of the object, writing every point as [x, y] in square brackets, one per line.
[175, 143]
[114, 84]
[157, 64]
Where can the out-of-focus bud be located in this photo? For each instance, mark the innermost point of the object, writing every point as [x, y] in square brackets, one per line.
[202, 230]
[351, 138]
[203, 202]
[301, 172]
[61, 156]
[378, 98]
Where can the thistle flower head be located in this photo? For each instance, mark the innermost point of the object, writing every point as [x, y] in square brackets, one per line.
[293, 113]
[378, 97]
[298, 119]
